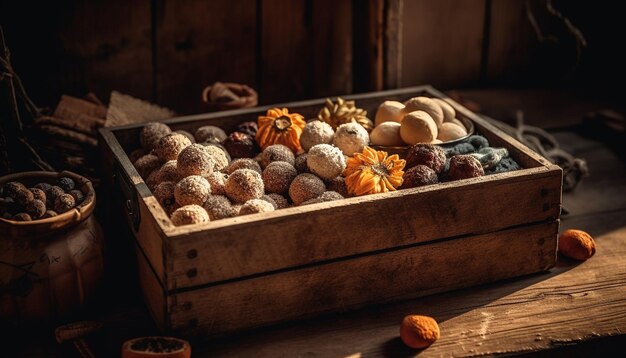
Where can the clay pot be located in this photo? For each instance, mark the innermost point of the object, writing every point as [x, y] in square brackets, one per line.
[50, 267]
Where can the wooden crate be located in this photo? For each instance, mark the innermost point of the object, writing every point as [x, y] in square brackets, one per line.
[261, 269]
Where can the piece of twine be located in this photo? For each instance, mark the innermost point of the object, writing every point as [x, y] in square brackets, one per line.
[544, 143]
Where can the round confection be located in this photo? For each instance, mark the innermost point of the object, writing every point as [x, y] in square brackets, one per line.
[43, 186]
[22, 217]
[193, 189]
[220, 157]
[194, 160]
[243, 185]
[255, 206]
[300, 163]
[170, 146]
[417, 176]
[429, 155]
[38, 194]
[351, 138]
[49, 214]
[147, 164]
[281, 201]
[249, 128]
[427, 105]
[151, 133]
[164, 194]
[241, 145]
[167, 172]
[9, 189]
[136, 154]
[269, 200]
[448, 111]
[418, 127]
[338, 185]
[450, 131]
[326, 161]
[219, 207]
[189, 215]
[243, 163]
[52, 194]
[387, 133]
[331, 196]
[66, 184]
[23, 196]
[463, 167]
[186, 134]
[63, 203]
[304, 187]
[316, 132]
[389, 111]
[217, 181]
[210, 134]
[277, 153]
[36, 209]
[77, 195]
[277, 176]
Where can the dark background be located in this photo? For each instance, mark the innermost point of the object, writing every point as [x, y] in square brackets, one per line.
[167, 51]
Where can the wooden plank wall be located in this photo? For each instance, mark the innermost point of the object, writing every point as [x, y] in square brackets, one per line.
[167, 51]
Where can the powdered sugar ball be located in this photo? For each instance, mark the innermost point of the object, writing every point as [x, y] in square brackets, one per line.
[193, 189]
[277, 153]
[189, 215]
[147, 164]
[277, 177]
[195, 160]
[164, 194]
[171, 145]
[304, 187]
[255, 206]
[151, 133]
[167, 172]
[243, 185]
[351, 138]
[326, 161]
[243, 163]
[186, 134]
[217, 180]
[316, 132]
[220, 157]
[280, 201]
[219, 207]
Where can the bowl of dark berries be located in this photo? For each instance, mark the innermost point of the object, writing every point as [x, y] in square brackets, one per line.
[34, 203]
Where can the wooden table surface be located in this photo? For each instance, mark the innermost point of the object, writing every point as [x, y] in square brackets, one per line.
[575, 309]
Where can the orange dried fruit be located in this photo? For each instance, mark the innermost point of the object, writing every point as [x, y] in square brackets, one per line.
[419, 331]
[279, 126]
[576, 244]
[373, 171]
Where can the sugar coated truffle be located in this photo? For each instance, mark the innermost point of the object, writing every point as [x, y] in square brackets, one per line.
[151, 133]
[241, 145]
[136, 154]
[170, 146]
[167, 172]
[463, 167]
[217, 180]
[249, 128]
[186, 134]
[211, 134]
[255, 206]
[419, 175]
[36, 209]
[326, 161]
[351, 138]
[38, 194]
[304, 187]
[77, 195]
[316, 132]
[220, 156]
[9, 189]
[277, 176]
[300, 163]
[219, 207]
[193, 189]
[338, 185]
[63, 203]
[66, 183]
[189, 215]
[429, 155]
[49, 214]
[43, 186]
[194, 160]
[164, 194]
[147, 164]
[243, 185]
[52, 194]
[23, 196]
[243, 163]
[280, 201]
[276, 153]
[326, 196]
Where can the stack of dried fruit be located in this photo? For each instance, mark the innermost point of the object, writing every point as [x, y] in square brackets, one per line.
[42, 201]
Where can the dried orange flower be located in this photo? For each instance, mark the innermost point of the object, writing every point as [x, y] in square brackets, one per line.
[280, 127]
[372, 171]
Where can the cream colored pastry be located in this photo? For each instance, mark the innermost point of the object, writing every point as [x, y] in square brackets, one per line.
[450, 131]
[418, 127]
[448, 112]
[457, 122]
[389, 111]
[387, 133]
[436, 141]
[427, 105]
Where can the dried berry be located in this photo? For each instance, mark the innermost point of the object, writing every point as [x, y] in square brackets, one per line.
[189, 215]
[22, 217]
[192, 190]
[577, 244]
[277, 177]
[241, 145]
[36, 209]
[255, 206]
[429, 155]
[210, 134]
[463, 167]
[66, 184]
[249, 128]
[63, 203]
[243, 185]
[419, 332]
[417, 176]
[77, 195]
[151, 133]
[38, 194]
[305, 187]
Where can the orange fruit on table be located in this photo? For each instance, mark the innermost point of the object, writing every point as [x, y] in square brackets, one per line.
[156, 347]
[576, 244]
[419, 331]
